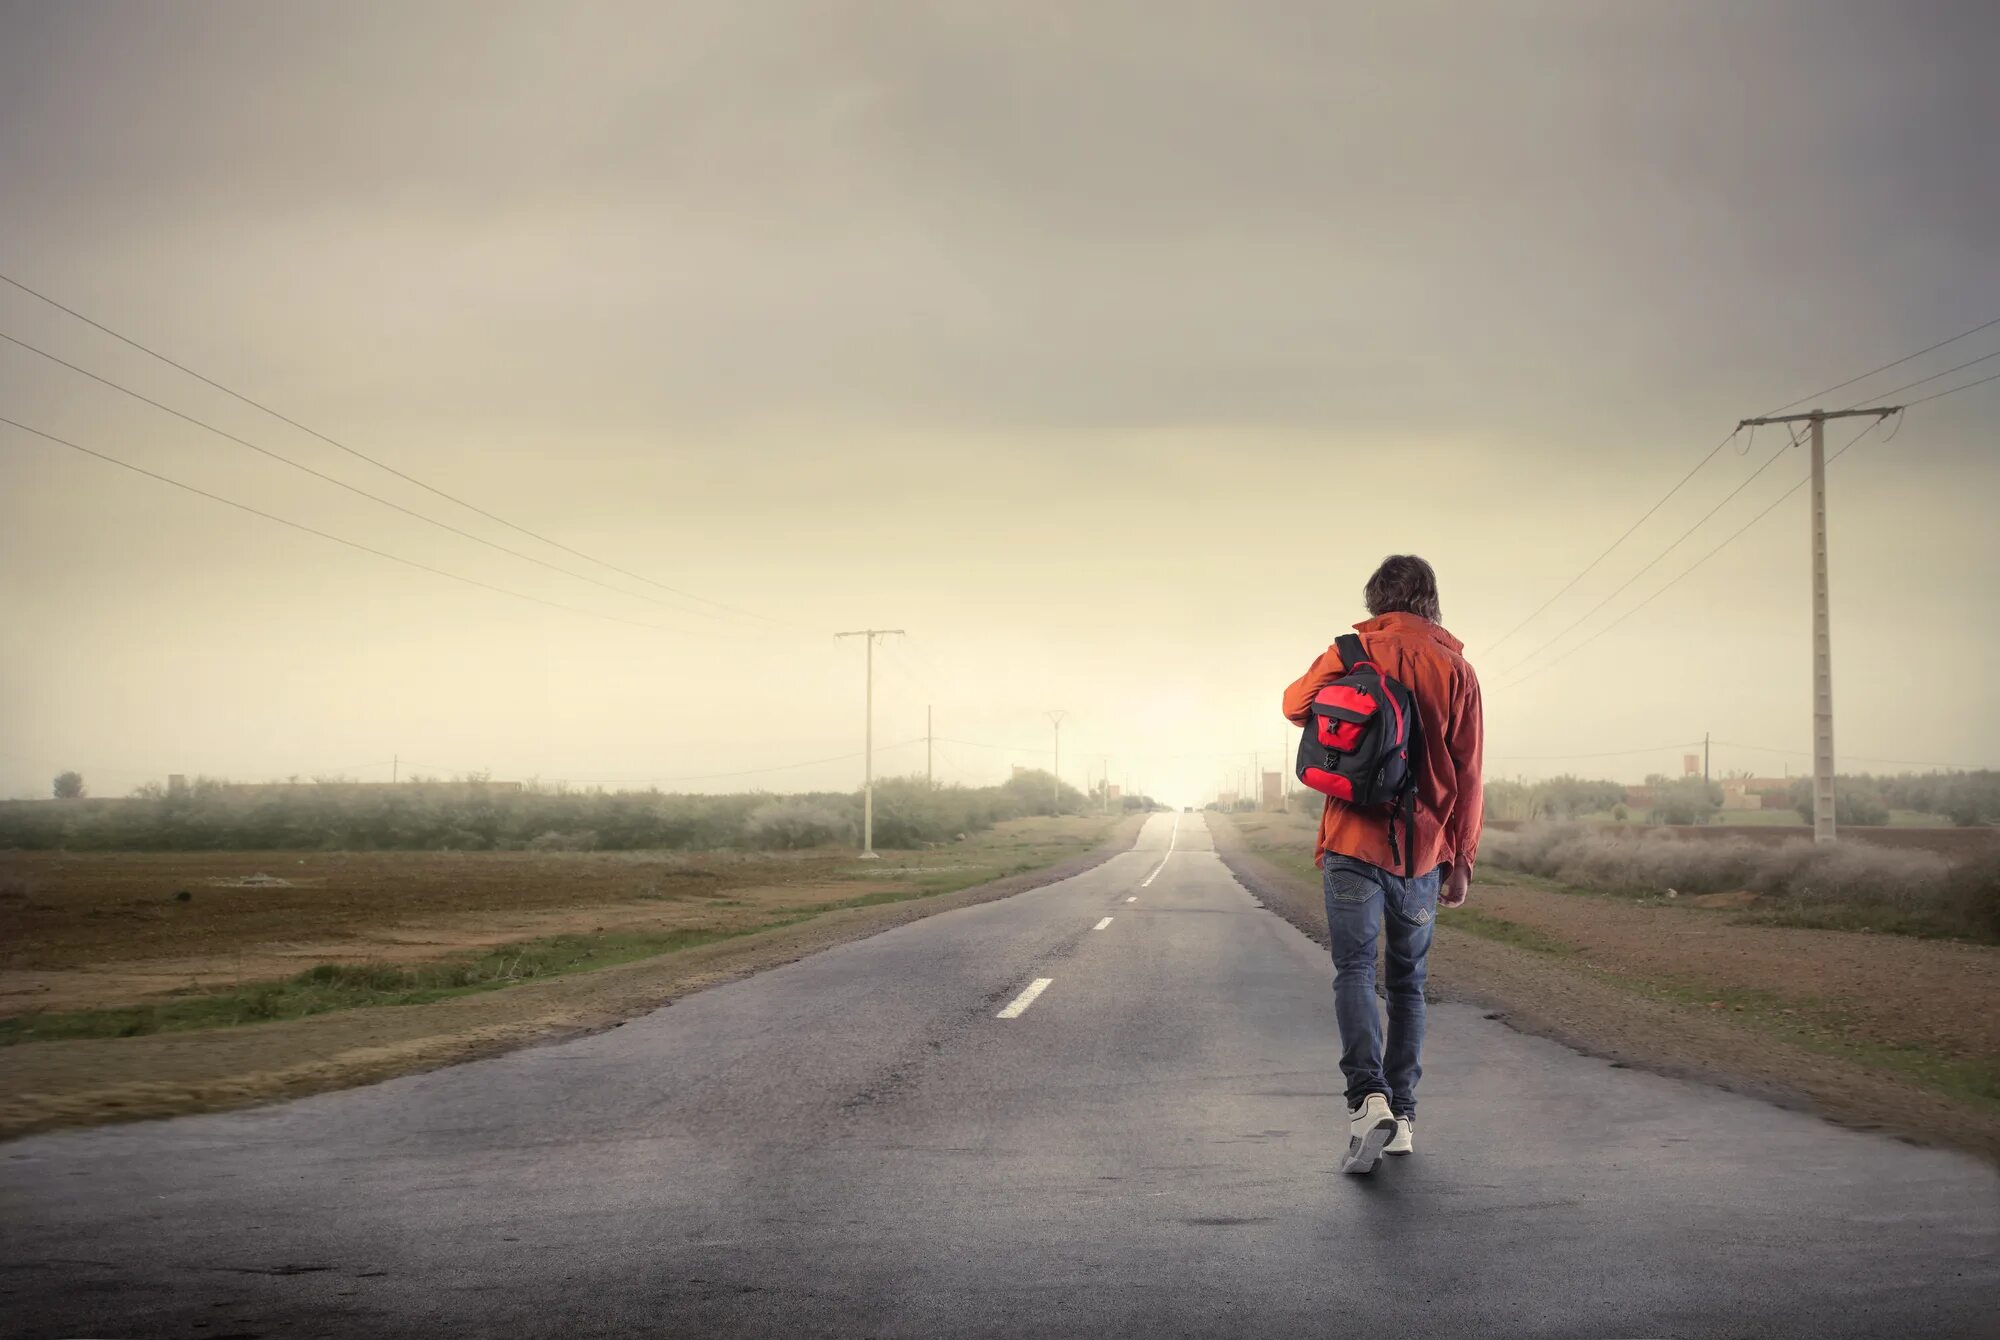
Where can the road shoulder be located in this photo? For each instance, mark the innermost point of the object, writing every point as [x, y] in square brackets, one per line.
[1540, 984]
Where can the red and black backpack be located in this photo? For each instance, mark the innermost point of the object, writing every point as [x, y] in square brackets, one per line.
[1360, 747]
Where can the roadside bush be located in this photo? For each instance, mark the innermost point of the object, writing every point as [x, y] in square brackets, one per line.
[1652, 861]
[582, 840]
[1967, 799]
[421, 816]
[1832, 884]
[1856, 800]
[1685, 800]
[1564, 797]
[1036, 792]
[1972, 892]
[910, 812]
[792, 824]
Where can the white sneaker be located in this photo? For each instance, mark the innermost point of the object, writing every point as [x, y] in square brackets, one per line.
[1405, 1139]
[1369, 1128]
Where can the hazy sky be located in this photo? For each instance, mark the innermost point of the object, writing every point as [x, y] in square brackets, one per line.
[1105, 348]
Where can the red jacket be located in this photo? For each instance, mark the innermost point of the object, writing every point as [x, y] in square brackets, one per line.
[1450, 801]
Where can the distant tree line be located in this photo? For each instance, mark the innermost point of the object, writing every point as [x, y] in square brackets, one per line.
[1967, 799]
[1963, 798]
[909, 812]
[1562, 797]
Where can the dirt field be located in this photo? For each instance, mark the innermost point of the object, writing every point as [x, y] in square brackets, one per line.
[97, 931]
[94, 929]
[1876, 1031]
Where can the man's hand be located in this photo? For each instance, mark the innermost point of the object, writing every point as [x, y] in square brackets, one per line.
[1457, 879]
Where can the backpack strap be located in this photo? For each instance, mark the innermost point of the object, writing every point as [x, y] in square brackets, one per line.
[1405, 807]
[1352, 653]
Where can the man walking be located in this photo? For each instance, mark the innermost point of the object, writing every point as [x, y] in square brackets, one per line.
[1375, 883]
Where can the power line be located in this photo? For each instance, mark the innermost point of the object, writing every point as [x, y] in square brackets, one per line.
[1884, 368]
[928, 667]
[336, 482]
[1761, 515]
[1592, 565]
[1653, 563]
[1857, 758]
[1953, 390]
[380, 465]
[1609, 753]
[324, 535]
[1560, 658]
[998, 748]
[1712, 453]
[756, 772]
[1739, 488]
[1935, 375]
[908, 670]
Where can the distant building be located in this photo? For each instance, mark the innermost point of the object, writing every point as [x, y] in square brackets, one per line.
[1274, 790]
[1757, 793]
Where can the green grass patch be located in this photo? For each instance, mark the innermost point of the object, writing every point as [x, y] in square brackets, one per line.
[875, 899]
[343, 986]
[1488, 927]
[337, 986]
[1924, 923]
[1500, 877]
[1816, 1026]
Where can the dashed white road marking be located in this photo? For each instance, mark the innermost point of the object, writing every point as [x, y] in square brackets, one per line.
[1133, 899]
[1171, 839]
[1102, 924]
[1025, 999]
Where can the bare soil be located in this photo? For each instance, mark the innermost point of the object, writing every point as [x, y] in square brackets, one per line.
[121, 981]
[497, 897]
[1853, 1025]
[86, 909]
[1886, 989]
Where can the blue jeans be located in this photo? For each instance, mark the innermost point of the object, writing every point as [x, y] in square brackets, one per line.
[1361, 901]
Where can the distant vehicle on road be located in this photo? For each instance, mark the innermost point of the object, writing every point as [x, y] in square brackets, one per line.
[1187, 809]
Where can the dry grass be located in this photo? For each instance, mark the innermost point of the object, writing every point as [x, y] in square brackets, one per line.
[1846, 885]
[1890, 1032]
[303, 1035]
[105, 931]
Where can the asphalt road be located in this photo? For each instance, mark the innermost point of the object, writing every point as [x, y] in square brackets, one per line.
[856, 1144]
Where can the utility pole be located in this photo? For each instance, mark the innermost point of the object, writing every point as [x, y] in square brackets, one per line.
[1056, 790]
[1822, 638]
[395, 767]
[868, 745]
[930, 773]
[1704, 758]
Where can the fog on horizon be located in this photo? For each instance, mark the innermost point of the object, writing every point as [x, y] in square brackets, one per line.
[1106, 353]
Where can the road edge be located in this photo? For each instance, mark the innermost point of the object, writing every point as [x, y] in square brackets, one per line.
[575, 1005]
[1859, 1099]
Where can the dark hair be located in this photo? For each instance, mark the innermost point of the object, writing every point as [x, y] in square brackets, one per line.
[1405, 583]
